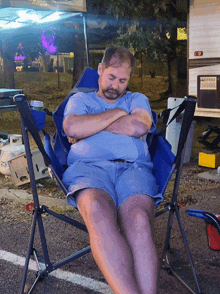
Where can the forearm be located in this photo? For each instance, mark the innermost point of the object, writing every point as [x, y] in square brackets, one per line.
[130, 125]
[82, 126]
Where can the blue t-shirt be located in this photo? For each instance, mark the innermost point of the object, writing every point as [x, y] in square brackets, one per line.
[106, 145]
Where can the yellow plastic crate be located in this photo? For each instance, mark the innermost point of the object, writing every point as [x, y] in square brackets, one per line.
[209, 159]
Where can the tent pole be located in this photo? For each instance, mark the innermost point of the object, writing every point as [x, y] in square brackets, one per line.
[86, 41]
[58, 73]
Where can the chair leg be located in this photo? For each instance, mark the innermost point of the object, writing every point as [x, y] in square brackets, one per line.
[49, 267]
[30, 250]
[165, 259]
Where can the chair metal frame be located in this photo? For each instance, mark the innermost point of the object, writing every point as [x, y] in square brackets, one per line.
[173, 207]
[28, 125]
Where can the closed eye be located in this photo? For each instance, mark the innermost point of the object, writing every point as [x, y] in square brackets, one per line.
[122, 81]
[111, 77]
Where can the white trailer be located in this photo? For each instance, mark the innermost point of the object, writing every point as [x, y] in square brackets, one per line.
[204, 56]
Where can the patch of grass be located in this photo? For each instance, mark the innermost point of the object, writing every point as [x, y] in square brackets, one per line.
[151, 87]
[65, 209]
[37, 86]
[44, 87]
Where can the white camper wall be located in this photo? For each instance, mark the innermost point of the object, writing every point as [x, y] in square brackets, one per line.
[204, 32]
[204, 70]
[204, 36]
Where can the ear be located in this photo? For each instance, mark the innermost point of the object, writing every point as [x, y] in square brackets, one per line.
[100, 68]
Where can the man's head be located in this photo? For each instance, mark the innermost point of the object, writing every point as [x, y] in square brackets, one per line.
[115, 70]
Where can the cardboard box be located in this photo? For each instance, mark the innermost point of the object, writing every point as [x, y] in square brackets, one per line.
[19, 168]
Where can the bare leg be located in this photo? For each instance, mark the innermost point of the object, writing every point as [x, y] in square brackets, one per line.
[136, 216]
[109, 247]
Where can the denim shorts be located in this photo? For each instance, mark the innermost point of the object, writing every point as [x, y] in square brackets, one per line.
[119, 179]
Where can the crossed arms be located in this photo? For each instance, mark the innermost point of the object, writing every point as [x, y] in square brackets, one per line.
[118, 121]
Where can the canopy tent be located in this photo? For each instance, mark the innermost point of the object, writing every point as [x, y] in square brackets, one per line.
[15, 14]
[62, 5]
[13, 18]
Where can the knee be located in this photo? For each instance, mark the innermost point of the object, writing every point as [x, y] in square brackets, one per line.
[96, 210]
[138, 222]
[140, 219]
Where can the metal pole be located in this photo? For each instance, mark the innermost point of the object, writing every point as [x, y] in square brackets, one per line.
[86, 41]
[58, 74]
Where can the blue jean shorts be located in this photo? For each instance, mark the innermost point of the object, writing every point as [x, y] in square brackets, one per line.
[119, 179]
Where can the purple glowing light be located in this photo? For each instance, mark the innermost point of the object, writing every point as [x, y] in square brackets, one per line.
[47, 42]
[19, 57]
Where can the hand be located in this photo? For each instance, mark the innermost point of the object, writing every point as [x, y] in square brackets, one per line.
[72, 140]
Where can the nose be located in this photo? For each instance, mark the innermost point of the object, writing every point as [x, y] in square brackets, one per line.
[115, 84]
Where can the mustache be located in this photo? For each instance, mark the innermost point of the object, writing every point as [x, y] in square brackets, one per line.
[113, 91]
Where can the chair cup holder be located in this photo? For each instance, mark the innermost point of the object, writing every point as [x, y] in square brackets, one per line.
[39, 118]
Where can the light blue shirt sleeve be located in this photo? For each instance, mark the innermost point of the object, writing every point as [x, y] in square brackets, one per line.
[141, 101]
[77, 104]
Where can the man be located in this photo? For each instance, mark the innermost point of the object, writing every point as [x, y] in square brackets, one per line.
[110, 175]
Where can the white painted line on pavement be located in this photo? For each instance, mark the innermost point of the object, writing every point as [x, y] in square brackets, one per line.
[59, 273]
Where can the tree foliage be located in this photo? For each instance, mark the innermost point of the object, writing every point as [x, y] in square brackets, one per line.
[149, 26]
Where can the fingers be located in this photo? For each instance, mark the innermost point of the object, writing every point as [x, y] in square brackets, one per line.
[72, 140]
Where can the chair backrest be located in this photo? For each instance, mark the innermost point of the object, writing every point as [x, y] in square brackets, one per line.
[87, 82]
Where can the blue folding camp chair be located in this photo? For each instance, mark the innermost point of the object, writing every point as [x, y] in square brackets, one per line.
[165, 164]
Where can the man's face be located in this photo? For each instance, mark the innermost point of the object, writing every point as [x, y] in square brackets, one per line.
[113, 81]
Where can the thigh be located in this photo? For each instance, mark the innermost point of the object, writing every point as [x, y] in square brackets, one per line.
[81, 175]
[137, 179]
